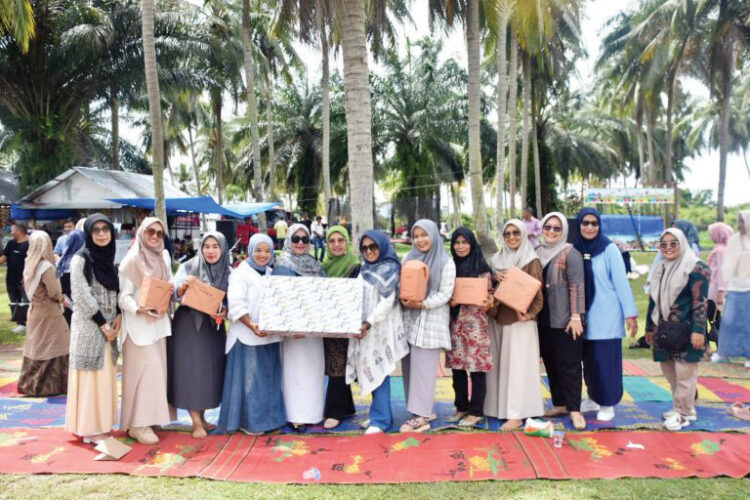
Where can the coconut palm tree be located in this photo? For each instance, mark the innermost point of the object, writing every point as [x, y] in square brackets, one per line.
[17, 19]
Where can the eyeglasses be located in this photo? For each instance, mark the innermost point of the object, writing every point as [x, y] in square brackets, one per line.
[372, 248]
[669, 244]
[587, 223]
[298, 239]
[512, 234]
[101, 230]
[151, 232]
[553, 229]
[336, 241]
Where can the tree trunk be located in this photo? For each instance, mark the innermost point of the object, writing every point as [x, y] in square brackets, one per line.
[502, 94]
[154, 107]
[219, 144]
[537, 165]
[114, 107]
[252, 111]
[358, 117]
[196, 169]
[526, 129]
[639, 141]
[513, 117]
[326, 111]
[669, 178]
[271, 147]
[456, 206]
[726, 96]
[651, 169]
[475, 157]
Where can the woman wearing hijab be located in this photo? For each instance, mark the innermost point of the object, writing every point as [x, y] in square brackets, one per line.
[92, 382]
[340, 262]
[73, 243]
[381, 344]
[252, 400]
[560, 322]
[303, 379]
[142, 339]
[717, 286]
[690, 232]
[427, 324]
[678, 295]
[469, 327]
[513, 386]
[609, 304]
[195, 350]
[44, 371]
[735, 334]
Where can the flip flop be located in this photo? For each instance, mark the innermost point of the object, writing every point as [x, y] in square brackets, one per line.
[740, 411]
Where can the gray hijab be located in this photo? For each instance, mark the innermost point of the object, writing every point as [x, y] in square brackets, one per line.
[216, 274]
[435, 258]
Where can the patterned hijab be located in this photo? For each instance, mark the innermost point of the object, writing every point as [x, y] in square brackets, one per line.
[38, 260]
[304, 265]
[548, 251]
[340, 266]
[435, 258]
[76, 240]
[520, 257]
[255, 240]
[142, 261]
[671, 276]
[383, 274]
[689, 230]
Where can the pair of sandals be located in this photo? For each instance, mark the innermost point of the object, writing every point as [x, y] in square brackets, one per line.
[576, 417]
[739, 410]
[464, 419]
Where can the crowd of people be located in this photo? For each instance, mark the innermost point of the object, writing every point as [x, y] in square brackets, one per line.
[187, 359]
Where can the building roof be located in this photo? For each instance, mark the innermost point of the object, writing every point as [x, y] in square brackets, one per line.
[8, 187]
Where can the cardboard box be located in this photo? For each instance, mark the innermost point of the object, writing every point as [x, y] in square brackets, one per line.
[203, 297]
[471, 291]
[155, 294]
[414, 278]
[518, 290]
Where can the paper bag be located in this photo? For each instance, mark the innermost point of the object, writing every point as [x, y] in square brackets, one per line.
[471, 291]
[111, 449]
[414, 277]
[203, 297]
[155, 294]
[518, 290]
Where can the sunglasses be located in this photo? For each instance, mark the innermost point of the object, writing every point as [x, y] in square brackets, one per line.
[298, 239]
[671, 244]
[151, 232]
[588, 223]
[553, 229]
[512, 234]
[101, 230]
[369, 248]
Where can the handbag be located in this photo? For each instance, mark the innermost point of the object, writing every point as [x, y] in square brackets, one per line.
[672, 336]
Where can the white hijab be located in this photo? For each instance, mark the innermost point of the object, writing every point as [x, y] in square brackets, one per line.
[671, 276]
[548, 251]
[736, 265]
[507, 257]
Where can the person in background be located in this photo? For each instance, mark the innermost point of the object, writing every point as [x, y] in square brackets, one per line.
[306, 220]
[281, 228]
[690, 232]
[678, 295]
[73, 243]
[340, 263]
[14, 255]
[44, 371]
[80, 223]
[91, 408]
[609, 304]
[68, 227]
[532, 226]
[735, 334]
[717, 286]
[625, 256]
[318, 233]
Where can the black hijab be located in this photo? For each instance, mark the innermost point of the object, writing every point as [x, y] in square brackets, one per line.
[471, 266]
[101, 259]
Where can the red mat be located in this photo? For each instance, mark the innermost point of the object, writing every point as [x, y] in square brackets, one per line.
[390, 458]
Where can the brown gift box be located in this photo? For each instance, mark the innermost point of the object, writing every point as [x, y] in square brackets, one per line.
[471, 291]
[203, 297]
[414, 278]
[518, 290]
[155, 294]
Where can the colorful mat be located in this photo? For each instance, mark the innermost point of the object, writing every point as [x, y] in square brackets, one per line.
[389, 458]
[645, 367]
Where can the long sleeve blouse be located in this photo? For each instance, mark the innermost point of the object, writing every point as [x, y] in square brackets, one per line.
[244, 296]
[428, 328]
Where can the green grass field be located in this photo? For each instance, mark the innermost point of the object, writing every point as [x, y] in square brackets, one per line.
[120, 486]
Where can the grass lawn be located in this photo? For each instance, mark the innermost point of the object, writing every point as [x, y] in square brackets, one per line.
[121, 486]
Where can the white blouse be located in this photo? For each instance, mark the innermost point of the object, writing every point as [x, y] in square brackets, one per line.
[143, 330]
[243, 297]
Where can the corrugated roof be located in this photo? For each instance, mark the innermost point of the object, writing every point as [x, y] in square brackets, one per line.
[8, 187]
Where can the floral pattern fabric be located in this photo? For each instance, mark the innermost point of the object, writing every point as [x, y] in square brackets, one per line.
[470, 341]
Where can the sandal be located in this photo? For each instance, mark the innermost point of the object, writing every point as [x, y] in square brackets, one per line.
[556, 411]
[331, 423]
[676, 422]
[470, 421]
[740, 411]
[416, 424]
[579, 423]
[456, 417]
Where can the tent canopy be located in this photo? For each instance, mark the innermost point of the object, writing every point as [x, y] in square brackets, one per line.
[199, 204]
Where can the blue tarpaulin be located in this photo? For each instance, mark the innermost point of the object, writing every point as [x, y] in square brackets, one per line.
[18, 213]
[647, 226]
[248, 209]
[200, 205]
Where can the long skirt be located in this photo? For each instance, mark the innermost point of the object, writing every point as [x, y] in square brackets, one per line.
[46, 377]
[602, 370]
[252, 397]
[735, 328]
[144, 384]
[562, 360]
[514, 389]
[195, 361]
[92, 399]
[419, 369]
[303, 379]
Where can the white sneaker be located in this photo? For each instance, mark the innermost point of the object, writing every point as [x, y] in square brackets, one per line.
[718, 358]
[676, 422]
[606, 414]
[692, 416]
[365, 423]
[747, 363]
[589, 405]
[19, 329]
[373, 430]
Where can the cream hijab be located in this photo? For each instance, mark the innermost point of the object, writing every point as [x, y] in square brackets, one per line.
[142, 261]
[548, 251]
[38, 260]
[671, 276]
[507, 257]
[736, 263]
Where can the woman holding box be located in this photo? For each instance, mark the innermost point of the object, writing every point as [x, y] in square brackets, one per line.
[252, 400]
[195, 350]
[340, 263]
[560, 323]
[427, 324]
[382, 342]
[470, 341]
[514, 389]
[609, 300]
[92, 379]
[303, 360]
[142, 339]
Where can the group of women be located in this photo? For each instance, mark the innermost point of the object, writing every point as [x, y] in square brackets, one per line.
[188, 359]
